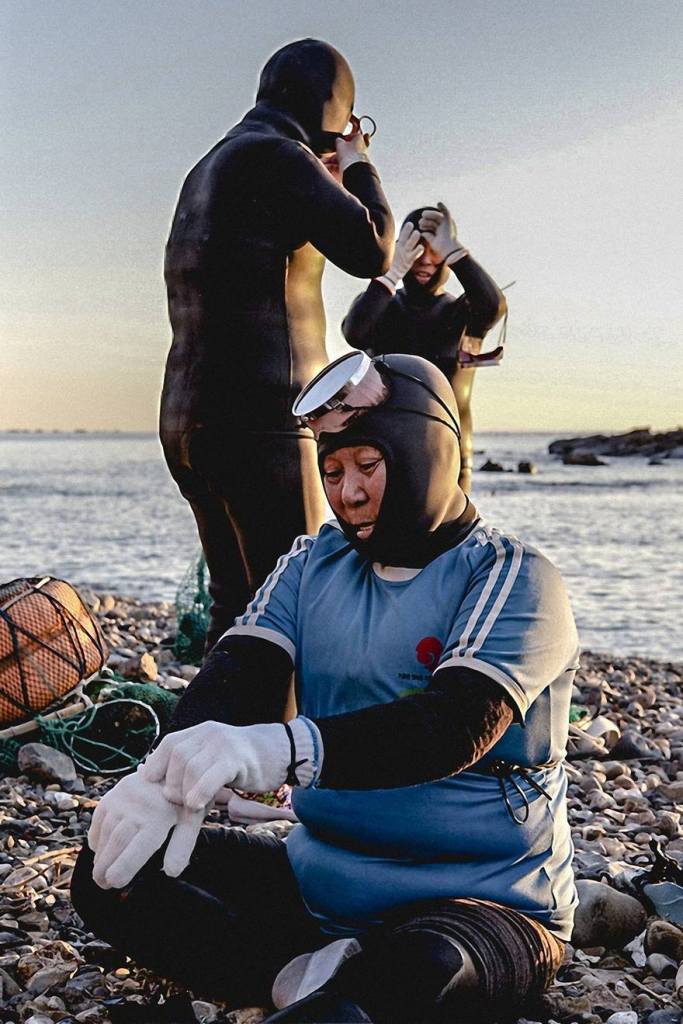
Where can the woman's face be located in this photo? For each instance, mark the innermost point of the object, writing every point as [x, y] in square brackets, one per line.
[426, 265]
[355, 480]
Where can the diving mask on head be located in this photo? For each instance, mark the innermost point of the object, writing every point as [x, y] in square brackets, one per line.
[351, 386]
[403, 406]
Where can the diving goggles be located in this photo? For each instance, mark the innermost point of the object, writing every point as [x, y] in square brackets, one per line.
[351, 386]
[326, 142]
[364, 124]
[340, 393]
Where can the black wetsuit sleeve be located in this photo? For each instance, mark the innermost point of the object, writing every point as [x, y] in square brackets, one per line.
[360, 323]
[416, 739]
[243, 681]
[350, 225]
[485, 301]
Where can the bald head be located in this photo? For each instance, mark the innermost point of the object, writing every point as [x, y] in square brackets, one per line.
[310, 80]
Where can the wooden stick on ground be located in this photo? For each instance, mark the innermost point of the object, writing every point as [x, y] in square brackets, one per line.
[24, 727]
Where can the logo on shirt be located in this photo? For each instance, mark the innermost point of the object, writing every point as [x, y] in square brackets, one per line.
[428, 651]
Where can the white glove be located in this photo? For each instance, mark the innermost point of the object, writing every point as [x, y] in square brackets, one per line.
[352, 151]
[131, 822]
[409, 247]
[196, 763]
[440, 231]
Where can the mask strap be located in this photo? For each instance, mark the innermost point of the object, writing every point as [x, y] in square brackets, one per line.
[416, 380]
[427, 416]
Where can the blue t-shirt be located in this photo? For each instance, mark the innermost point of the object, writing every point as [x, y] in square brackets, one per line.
[360, 635]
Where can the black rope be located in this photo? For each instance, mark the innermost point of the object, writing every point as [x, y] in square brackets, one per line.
[292, 779]
[503, 771]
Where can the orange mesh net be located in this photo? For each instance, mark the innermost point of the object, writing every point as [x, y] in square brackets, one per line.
[49, 643]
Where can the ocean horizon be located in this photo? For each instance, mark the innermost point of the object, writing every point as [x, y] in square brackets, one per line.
[100, 509]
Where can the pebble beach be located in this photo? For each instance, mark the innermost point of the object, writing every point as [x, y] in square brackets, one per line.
[625, 963]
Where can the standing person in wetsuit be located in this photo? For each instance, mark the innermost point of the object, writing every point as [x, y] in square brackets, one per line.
[254, 220]
[422, 318]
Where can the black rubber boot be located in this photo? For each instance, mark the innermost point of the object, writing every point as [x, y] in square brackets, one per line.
[320, 1007]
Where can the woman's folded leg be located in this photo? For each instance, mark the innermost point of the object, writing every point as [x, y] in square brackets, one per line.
[223, 928]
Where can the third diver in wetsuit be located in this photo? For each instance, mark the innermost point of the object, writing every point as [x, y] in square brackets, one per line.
[422, 318]
[253, 222]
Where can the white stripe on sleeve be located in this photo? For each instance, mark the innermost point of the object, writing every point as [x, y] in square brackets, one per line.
[263, 633]
[517, 552]
[268, 587]
[494, 573]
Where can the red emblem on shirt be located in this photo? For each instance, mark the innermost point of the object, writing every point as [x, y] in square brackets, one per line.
[429, 651]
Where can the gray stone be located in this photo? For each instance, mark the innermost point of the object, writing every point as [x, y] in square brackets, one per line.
[8, 986]
[174, 683]
[664, 1017]
[61, 801]
[46, 977]
[673, 792]
[605, 917]
[188, 672]
[13, 937]
[35, 921]
[205, 1013]
[623, 1017]
[631, 744]
[581, 458]
[667, 899]
[662, 966]
[43, 764]
[93, 1015]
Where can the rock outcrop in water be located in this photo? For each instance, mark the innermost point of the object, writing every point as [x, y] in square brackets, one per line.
[668, 444]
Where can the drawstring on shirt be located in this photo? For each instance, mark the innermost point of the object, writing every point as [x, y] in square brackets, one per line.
[504, 772]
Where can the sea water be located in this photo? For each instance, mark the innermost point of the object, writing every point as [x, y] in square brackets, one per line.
[102, 511]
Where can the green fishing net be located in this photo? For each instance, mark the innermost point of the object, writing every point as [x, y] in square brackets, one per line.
[107, 738]
[162, 702]
[115, 740]
[192, 605]
[9, 748]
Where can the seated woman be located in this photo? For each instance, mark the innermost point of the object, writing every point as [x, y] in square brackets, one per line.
[430, 878]
[423, 319]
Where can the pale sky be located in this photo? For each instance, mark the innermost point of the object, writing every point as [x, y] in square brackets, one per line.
[552, 130]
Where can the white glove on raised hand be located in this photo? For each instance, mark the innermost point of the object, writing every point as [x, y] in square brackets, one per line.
[352, 150]
[195, 763]
[131, 822]
[409, 247]
[440, 231]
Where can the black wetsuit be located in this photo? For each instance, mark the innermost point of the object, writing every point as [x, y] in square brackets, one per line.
[418, 322]
[226, 427]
